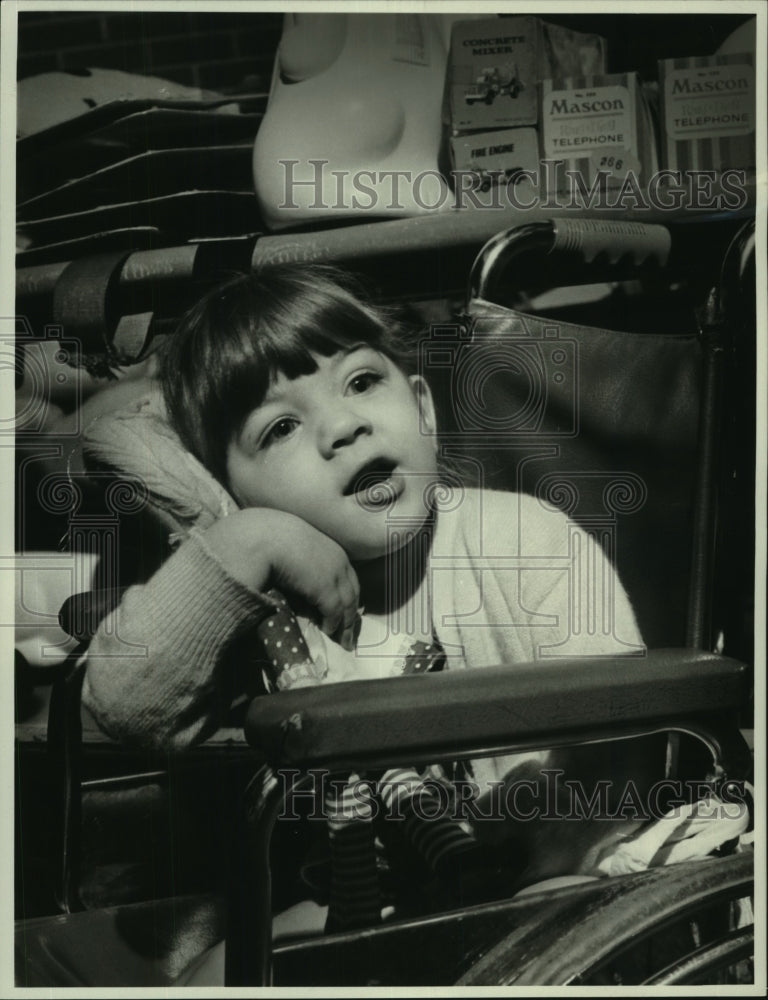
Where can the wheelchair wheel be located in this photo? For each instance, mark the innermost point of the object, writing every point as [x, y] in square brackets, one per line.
[688, 923]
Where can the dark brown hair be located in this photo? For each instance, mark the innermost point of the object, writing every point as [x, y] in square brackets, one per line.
[218, 366]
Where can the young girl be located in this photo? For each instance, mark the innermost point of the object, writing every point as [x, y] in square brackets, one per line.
[298, 397]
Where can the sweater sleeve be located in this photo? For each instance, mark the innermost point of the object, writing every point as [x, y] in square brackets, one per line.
[155, 672]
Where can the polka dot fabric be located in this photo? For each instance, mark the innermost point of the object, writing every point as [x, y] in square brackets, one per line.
[287, 660]
[423, 657]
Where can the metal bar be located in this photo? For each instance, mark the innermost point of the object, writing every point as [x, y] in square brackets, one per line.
[123, 781]
[462, 227]
[498, 253]
[248, 950]
[700, 593]
[717, 955]
[728, 760]
[65, 754]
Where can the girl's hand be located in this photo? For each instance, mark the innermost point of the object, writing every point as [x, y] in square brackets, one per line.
[262, 548]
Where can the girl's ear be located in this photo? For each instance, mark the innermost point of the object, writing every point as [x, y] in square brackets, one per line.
[426, 404]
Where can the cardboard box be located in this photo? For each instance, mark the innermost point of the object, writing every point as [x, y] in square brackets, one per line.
[597, 124]
[496, 157]
[708, 113]
[495, 65]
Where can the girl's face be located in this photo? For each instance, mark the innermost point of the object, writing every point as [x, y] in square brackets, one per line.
[349, 448]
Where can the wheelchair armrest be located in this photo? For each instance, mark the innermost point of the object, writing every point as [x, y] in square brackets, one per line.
[496, 709]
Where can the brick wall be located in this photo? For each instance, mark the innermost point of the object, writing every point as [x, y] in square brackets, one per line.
[231, 51]
[219, 51]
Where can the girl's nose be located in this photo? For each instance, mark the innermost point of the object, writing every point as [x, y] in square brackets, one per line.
[342, 427]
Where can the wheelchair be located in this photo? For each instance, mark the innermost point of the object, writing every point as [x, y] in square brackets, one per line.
[652, 457]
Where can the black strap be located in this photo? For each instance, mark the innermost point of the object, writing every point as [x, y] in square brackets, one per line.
[83, 300]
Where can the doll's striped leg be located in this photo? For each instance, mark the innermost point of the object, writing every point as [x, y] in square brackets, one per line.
[469, 871]
[355, 899]
[439, 839]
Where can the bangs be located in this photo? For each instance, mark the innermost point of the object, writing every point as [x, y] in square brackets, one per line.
[285, 339]
[232, 346]
[288, 345]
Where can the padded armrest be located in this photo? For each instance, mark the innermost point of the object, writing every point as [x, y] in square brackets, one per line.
[494, 708]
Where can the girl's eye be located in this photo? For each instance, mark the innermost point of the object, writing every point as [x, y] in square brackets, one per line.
[279, 431]
[364, 381]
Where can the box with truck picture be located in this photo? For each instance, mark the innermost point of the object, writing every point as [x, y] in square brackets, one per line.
[501, 157]
[495, 65]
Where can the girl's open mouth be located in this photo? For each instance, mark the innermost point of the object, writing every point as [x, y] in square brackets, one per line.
[376, 485]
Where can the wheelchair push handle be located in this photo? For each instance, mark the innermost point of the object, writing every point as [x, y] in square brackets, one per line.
[602, 246]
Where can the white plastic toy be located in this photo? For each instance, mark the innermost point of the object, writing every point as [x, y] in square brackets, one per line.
[354, 98]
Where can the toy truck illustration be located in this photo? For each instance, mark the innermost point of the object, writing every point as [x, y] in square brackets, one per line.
[487, 177]
[493, 82]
